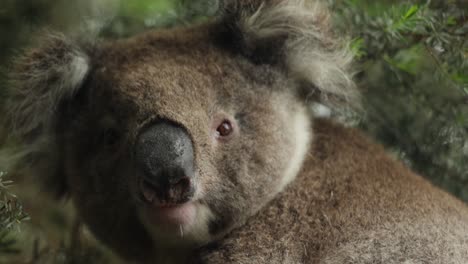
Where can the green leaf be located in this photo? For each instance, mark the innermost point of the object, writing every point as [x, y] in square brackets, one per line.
[357, 47]
[451, 21]
[411, 12]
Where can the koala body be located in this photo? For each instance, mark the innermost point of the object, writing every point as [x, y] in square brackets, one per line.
[374, 211]
[168, 141]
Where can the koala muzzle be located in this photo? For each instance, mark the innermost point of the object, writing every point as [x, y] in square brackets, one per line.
[164, 156]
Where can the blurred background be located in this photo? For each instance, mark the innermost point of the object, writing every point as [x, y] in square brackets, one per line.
[411, 66]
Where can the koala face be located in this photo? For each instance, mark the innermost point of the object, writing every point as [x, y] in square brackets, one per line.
[190, 140]
[172, 138]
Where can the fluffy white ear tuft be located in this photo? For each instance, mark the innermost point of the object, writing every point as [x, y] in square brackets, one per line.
[297, 35]
[41, 80]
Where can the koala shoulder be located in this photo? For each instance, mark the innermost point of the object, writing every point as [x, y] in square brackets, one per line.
[352, 203]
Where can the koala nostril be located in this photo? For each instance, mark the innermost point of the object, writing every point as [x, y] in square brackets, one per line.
[148, 191]
[181, 187]
[173, 193]
[183, 183]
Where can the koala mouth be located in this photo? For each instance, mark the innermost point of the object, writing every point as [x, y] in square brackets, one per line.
[168, 205]
[166, 195]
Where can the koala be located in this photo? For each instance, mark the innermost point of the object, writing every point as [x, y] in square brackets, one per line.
[196, 144]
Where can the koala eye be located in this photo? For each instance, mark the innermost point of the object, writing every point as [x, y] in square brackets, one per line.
[225, 129]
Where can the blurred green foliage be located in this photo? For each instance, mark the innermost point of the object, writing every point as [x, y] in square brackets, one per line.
[11, 215]
[414, 77]
[412, 68]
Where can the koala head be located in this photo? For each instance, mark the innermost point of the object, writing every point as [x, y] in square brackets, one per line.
[172, 138]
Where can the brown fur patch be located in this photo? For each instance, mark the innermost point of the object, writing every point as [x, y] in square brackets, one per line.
[351, 203]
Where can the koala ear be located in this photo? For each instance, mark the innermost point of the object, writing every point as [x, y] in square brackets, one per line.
[40, 81]
[296, 35]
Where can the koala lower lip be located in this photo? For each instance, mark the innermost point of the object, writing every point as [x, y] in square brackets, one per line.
[172, 215]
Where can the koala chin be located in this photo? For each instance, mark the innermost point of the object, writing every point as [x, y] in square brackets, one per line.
[197, 145]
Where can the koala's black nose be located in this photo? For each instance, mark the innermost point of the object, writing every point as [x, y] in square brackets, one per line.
[164, 155]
